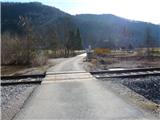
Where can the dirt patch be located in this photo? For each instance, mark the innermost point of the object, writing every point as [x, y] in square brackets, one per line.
[125, 61]
[19, 70]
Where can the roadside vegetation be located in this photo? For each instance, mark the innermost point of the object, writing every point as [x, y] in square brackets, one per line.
[20, 51]
[127, 56]
[104, 58]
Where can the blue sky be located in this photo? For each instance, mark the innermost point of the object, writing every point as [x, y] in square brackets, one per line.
[143, 10]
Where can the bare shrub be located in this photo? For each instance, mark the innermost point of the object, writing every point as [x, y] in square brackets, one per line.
[38, 58]
[102, 51]
[13, 50]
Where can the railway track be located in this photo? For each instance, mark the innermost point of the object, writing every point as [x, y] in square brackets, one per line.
[127, 73]
[22, 79]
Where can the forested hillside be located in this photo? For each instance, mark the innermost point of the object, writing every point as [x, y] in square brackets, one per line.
[107, 30]
[104, 30]
[44, 21]
[32, 29]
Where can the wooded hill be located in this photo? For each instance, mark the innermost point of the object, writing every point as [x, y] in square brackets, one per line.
[51, 24]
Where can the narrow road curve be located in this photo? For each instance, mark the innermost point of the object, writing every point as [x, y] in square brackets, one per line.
[90, 99]
[72, 64]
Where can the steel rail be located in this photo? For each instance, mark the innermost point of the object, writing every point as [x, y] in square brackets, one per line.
[20, 82]
[13, 81]
[23, 76]
[129, 75]
[125, 70]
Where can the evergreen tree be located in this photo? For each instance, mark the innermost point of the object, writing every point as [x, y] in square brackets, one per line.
[78, 44]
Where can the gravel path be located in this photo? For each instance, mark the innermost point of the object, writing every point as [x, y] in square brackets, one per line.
[12, 99]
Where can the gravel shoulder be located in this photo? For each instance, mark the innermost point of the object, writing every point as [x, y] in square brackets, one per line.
[12, 99]
[122, 89]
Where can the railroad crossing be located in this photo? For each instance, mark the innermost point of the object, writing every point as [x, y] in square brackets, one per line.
[50, 76]
[67, 76]
[69, 92]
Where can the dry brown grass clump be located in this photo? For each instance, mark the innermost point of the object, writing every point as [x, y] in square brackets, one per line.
[102, 51]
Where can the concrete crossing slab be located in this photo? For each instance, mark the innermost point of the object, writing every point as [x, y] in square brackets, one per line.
[69, 76]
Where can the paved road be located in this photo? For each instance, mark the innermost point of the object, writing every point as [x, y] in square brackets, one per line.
[71, 100]
[72, 64]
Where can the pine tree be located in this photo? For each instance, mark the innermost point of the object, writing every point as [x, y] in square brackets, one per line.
[78, 40]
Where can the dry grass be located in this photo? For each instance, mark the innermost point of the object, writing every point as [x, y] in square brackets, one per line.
[7, 70]
[128, 59]
[145, 104]
[149, 106]
[102, 51]
[19, 70]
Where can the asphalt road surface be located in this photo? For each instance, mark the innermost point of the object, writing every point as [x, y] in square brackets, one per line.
[78, 99]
